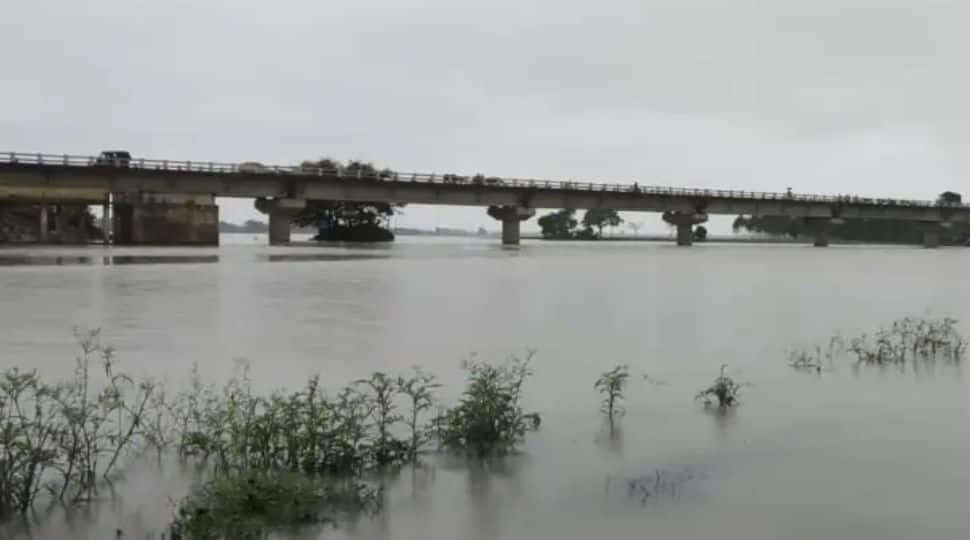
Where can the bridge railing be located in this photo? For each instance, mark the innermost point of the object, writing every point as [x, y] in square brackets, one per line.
[253, 168]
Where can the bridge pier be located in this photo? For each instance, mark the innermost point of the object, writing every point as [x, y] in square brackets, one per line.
[684, 222]
[106, 219]
[281, 213]
[165, 219]
[42, 233]
[511, 218]
[931, 236]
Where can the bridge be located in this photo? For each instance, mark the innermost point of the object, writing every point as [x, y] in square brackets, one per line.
[161, 201]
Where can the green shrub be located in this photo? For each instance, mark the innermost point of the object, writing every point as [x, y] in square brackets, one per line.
[489, 419]
[252, 504]
[724, 391]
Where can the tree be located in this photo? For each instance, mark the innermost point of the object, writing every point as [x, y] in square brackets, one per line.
[700, 233]
[558, 224]
[601, 217]
[348, 220]
[949, 197]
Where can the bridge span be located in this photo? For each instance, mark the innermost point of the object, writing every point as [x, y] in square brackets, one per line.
[160, 201]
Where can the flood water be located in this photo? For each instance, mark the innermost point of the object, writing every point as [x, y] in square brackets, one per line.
[871, 455]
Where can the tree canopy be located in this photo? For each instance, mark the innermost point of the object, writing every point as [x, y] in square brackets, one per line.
[348, 220]
[601, 217]
[559, 224]
[860, 230]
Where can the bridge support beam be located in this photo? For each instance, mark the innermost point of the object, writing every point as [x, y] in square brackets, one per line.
[43, 224]
[931, 236]
[685, 235]
[511, 218]
[165, 219]
[684, 221]
[281, 213]
[106, 219]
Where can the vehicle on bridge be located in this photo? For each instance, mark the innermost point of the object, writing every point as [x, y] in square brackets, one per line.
[251, 167]
[113, 158]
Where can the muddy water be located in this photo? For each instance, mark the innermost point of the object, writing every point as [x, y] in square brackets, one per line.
[874, 455]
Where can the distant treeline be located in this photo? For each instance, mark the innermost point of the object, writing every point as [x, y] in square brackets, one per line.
[860, 230]
[250, 226]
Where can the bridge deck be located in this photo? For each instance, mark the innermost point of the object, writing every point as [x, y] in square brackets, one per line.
[44, 175]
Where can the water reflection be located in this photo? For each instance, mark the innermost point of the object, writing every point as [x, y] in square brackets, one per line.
[105, 260]
[484, 480]
[610, 437]
[304, 257]
[152, 259]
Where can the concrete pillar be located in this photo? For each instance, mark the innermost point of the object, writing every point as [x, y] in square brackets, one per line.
[166, 219]
[106, 219]
[43, 223]
[684, 221]
[281, 213]
[931, 237]
[60, 225]
[511, 218]
[510, 231]
[279, 228]
[685, 234]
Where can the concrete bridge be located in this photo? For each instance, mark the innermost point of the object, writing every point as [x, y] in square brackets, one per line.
[159, 201]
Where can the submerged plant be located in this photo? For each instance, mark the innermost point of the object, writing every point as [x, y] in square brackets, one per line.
[251, 505]
[419, 389]
[65, 439]
[489, 419]
[611, 385]
[907, 341]
[386, 449]
[724, 392]
[803, 360]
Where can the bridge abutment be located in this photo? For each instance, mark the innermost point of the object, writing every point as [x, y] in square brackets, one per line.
[281, 213]
[165, 219]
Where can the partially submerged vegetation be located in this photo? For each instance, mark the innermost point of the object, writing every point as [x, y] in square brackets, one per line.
[611, 385]
[63, 440]
[273, 460]
[489, 419]
[287, 459]
[908, 341]
[252, 505]
[723, 392]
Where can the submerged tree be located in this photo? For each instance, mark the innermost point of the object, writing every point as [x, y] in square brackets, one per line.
[559, 225]
[601, 217]
[353, 221]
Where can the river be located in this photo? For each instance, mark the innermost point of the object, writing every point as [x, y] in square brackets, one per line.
[875, 454]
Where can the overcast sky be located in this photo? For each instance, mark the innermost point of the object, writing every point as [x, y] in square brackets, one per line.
[833, 96]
